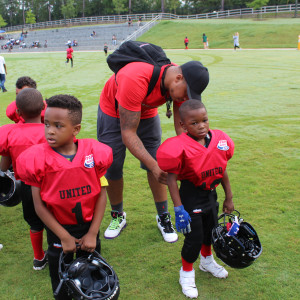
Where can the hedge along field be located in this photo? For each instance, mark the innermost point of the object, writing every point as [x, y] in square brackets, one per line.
[253, 96]
[254, 33]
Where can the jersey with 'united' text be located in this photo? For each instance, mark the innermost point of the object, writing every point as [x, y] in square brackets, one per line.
[190, 160]
[69, 189]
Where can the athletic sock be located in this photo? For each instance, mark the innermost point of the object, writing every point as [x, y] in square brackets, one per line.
[186, 266]
[118, 207]
[37, 244]
[206, 250]
[161, 207]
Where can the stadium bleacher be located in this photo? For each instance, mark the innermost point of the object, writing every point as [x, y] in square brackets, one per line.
[57, 38]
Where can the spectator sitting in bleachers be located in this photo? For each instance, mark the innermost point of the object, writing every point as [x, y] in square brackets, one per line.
[74, 43]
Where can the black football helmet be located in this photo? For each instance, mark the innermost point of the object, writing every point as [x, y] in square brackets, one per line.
[10, 189]
[239, 250]
[88, 277]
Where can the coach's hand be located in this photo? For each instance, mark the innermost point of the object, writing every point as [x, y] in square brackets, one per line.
[160, 175]
[182, 219]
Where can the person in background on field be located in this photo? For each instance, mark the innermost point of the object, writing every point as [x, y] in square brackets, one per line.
[11, 110]
[129, 21]
[3, 73]
[236, 41]
[198, 158]
[14, 140]
[70, 55]
[114, 40]
[139, 21]
[72, 221]
[105, 49]
[186, 42]
[204, 39]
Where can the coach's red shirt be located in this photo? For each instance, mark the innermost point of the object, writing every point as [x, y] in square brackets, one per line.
[191, 161]
[130, 88]
[12, 114]
[16, 138]
[69, 189]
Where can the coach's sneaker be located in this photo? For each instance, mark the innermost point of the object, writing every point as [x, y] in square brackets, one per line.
[187, 282]
[166, 228]
[117, 224]
[208, 264]
[40, 264]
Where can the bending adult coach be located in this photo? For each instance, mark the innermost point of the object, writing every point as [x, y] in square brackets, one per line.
[128, 118]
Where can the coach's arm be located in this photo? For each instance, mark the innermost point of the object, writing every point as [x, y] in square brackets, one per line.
[129, 122]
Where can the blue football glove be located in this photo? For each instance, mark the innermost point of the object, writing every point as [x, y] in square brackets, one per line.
[182, 219]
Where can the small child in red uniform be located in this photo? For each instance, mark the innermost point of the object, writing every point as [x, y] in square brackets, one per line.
[70, 55]
[198, 158]
[186, 42]
[14, 139]
[64, 174]
[11, 110]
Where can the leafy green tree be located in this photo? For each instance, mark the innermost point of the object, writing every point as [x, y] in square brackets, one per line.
[2, 22]
[256, 4]
[120, 6]
[68, 9]
[172, 5]
[30, 17]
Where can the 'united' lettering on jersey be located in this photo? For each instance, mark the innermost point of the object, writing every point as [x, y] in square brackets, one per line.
[69, 189]
[76, 192]
[190, 160]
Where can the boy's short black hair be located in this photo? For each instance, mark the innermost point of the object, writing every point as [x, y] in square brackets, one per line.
[67, 102]
[26, 81]
[30, 102]
[190, 105]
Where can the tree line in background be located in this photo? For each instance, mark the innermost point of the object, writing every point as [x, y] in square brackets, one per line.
[18, 12]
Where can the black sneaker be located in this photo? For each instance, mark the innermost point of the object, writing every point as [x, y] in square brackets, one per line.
[40, 264]
[166, 228]
[4, 90]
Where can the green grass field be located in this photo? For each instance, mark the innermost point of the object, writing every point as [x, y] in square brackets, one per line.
[254, 33]
[253, 96]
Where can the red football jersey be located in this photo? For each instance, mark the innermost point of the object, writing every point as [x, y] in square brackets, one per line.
[191, 161]
[69, 189]
[12, 114]
[15, 138]
[130, 88]
[69, 52]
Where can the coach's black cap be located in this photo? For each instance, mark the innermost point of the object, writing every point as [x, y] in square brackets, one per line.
[197, 78]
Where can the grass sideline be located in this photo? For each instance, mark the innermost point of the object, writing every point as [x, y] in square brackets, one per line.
[254, 33]
[254, 97]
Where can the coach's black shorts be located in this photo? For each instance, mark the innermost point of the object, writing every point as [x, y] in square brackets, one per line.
[109, 133]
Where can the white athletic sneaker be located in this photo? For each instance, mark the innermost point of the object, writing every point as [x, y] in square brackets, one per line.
[187, 282]
[1, 246]
[117, 224]
[166, 228]
[208, 264]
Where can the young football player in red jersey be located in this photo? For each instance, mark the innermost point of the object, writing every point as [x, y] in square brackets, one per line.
[65, 177]
[14, 139]
[198, 158]
[70, 55]
[11, 110]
